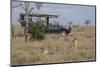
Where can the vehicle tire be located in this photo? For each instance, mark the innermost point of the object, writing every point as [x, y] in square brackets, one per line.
[63, 33]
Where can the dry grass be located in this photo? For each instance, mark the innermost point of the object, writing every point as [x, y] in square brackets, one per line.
[59, 49]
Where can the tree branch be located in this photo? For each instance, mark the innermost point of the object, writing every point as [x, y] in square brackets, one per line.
[31, 10]
[22, 6]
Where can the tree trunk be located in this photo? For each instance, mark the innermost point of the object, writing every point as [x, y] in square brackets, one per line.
[27, 22]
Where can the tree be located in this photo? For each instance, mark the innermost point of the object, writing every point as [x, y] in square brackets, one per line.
[87, 22]
[38, 6]
[26, 7]
[70, 23]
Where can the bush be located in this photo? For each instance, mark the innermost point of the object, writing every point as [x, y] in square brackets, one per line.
[37, 32]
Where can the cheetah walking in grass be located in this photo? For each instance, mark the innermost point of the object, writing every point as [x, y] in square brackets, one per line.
[75, 42]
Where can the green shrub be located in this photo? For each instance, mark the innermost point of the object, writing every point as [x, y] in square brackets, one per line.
[37, 32]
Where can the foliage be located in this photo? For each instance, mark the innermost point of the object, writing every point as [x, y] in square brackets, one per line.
[87, 22]
[37, 31]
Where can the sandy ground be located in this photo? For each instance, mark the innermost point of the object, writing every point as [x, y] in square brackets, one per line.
[54, 48]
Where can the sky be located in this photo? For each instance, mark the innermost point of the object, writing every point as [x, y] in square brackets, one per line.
[67, 13]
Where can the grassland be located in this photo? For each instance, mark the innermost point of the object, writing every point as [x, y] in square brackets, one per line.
[54, 48]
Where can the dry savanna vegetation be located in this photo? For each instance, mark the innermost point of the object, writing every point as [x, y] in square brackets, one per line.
[79, 45]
